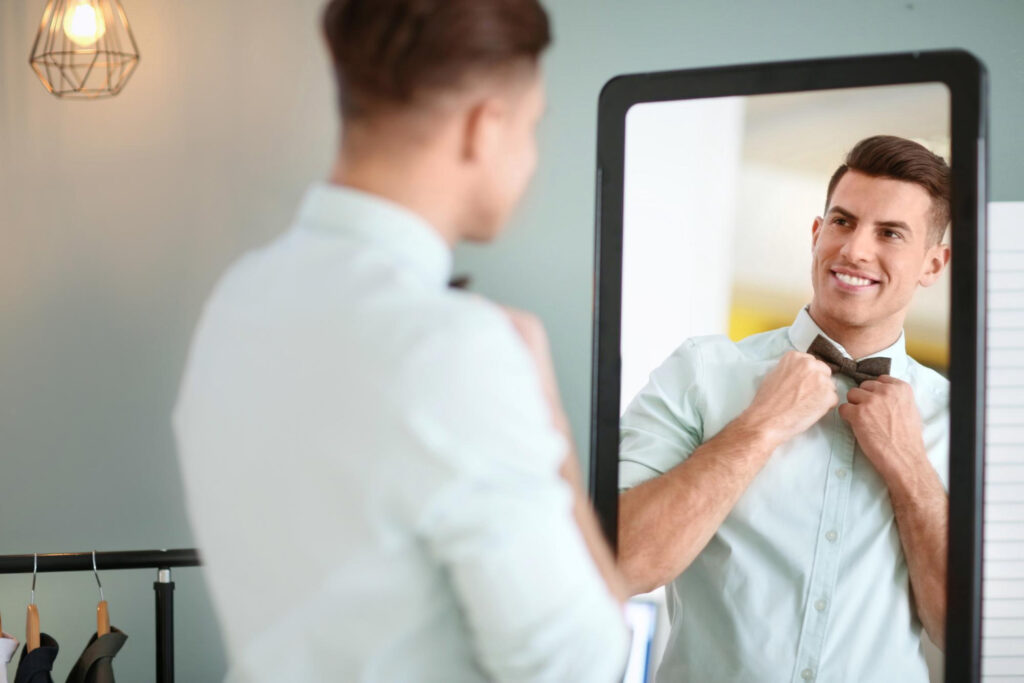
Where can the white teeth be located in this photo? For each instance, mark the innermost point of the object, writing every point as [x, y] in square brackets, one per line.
[853, 280]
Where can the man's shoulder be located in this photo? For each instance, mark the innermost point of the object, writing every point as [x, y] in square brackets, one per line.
[354, 284]
[460, 339]
[460, 322]
[360, 317]
[766, 345]
[720, 348]
[927, 381]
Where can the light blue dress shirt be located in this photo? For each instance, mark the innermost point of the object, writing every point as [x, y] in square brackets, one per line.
[371, 469]
[806, 578]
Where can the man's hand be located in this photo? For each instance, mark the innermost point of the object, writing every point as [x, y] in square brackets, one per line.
[887, 425]
[792, 397]
[885, 420]
[531, 331]
[665, 522]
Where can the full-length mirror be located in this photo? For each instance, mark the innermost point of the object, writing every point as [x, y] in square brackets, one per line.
[782, 448]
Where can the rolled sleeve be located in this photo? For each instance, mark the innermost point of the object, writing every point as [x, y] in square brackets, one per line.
[663, 423]
[504, 530]
[537, 608]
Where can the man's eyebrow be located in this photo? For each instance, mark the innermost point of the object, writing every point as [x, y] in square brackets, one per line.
[881, 224]
[842, 211]
[894, 224]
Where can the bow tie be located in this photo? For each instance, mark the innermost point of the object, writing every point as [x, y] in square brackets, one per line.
[459, 282]
[869, 368]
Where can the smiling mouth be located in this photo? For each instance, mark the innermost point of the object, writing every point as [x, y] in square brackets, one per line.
[853, 281]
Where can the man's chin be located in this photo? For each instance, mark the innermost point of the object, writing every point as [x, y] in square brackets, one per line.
[483, 233]
[845, 314]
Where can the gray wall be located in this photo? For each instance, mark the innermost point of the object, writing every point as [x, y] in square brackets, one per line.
[116, 217]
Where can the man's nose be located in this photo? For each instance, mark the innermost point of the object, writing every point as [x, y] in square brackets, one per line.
[859, 244]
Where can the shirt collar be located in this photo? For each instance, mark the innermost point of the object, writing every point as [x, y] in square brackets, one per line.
[374, 220]
[99, 647]
[803, 331]
[8, 645]
[38, 661]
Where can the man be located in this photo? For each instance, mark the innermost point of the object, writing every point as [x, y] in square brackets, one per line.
[378, 467]
[805, 541]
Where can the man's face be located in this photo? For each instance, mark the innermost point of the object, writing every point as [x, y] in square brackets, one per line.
[509, 159]
[871, 250]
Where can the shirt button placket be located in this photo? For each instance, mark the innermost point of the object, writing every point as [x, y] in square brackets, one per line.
[825, 564]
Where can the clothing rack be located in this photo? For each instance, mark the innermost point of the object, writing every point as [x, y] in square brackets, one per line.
[161, 560]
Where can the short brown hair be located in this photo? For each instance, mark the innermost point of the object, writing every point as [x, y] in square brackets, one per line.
[394, 53]
[888, 156]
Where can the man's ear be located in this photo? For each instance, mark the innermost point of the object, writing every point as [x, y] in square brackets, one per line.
[935, 262]
[816, 231]
[482, 129]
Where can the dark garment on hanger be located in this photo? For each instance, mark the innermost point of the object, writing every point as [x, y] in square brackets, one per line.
[35, 666]
[94, 665]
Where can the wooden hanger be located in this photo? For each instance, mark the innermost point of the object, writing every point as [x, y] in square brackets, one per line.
[102, 615]
[32, 628]
[102, 619]
[32, 617]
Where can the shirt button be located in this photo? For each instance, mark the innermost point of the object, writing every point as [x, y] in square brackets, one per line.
[832, 535]
[807, 675]
[820, 605]
[841, 473]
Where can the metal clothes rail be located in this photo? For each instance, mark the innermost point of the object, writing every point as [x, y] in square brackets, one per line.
[161, 560]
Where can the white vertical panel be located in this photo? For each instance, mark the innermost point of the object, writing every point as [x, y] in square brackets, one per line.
[681, 171]
[1003, 588]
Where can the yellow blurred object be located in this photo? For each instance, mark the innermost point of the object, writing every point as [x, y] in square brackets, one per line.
[747, 320]
[752, 313]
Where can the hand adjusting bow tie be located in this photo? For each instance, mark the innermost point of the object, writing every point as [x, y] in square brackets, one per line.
[869, 368]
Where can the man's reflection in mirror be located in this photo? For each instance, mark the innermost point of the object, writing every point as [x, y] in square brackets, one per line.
[790, 488]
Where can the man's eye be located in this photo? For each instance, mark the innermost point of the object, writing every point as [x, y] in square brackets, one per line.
[839, 221]
[892, 235]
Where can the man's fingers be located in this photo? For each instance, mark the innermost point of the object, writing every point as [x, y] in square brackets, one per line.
[870, 385]
[847, 411]
[822, 367]
[857, 395]
[835, 398]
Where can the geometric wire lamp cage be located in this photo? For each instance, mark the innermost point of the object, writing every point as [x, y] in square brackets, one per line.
[84, 48]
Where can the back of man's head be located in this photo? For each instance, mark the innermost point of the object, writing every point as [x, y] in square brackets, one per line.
[397, 56]
[888, 156]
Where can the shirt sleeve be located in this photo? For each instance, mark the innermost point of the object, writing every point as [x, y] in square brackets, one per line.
[663, 423]
[534, 601]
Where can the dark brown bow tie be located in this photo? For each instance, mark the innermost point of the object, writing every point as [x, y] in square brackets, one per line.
[459, 282]
[869, 368]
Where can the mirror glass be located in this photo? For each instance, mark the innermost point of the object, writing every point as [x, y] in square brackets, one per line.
[733, 256]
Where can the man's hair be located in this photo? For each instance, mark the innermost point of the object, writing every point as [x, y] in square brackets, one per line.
[393, 55]
[887, 156]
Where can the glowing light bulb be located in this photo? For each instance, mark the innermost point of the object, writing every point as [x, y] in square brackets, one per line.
[83, 24]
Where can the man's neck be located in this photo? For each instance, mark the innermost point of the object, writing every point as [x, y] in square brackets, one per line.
[409, 182]
[859, 341]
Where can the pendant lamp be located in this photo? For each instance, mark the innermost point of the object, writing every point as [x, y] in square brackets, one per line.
[84, 48]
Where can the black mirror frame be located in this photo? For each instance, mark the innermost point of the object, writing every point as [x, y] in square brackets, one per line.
[966, 78]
